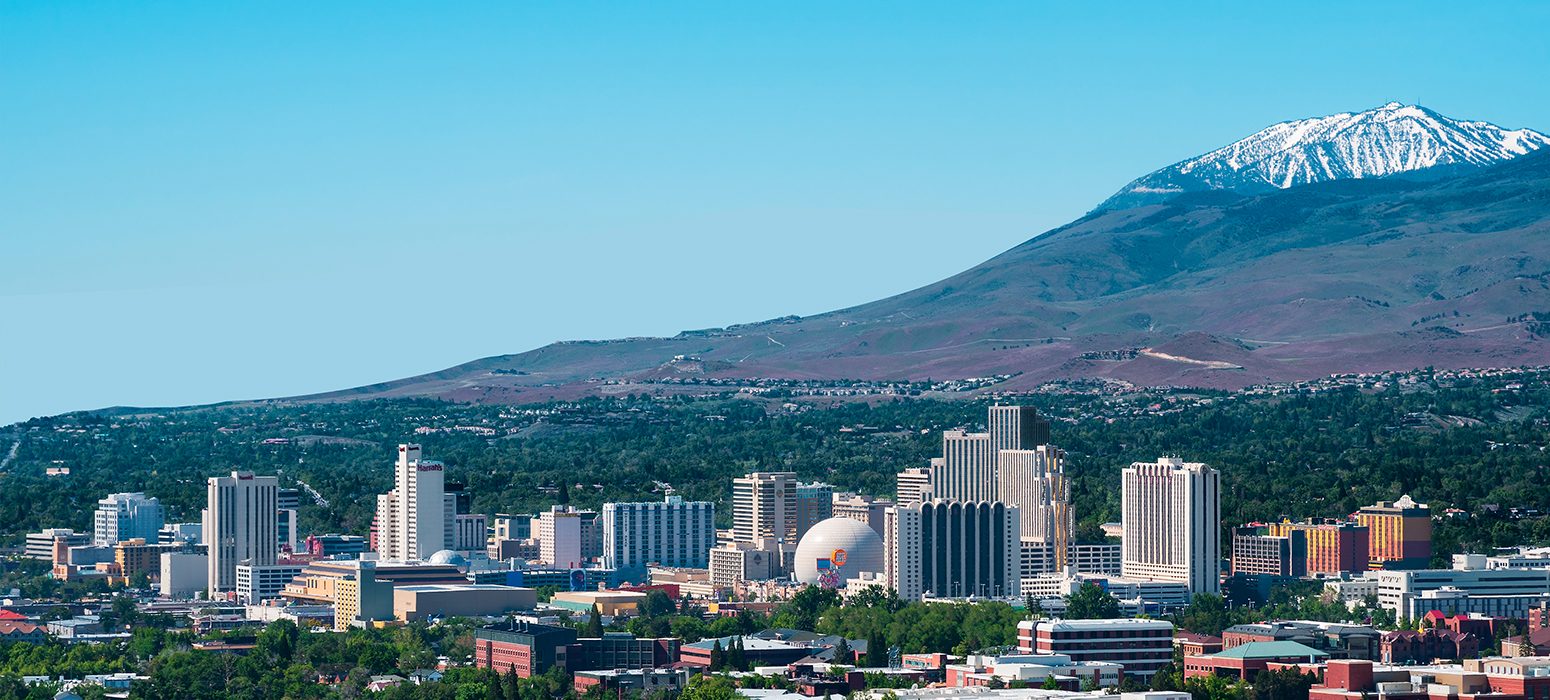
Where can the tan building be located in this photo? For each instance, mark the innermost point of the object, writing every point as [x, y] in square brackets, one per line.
[416, 603]
[611, 603]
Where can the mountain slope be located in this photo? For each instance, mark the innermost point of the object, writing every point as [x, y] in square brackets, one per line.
[1212, 289]
[1388, 140]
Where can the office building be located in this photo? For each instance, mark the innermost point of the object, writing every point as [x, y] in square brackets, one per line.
[1254, 552]
[41, 545]
[1171, 513]
[558, 531]
[470, 533]
[1399, 534]
[735, 562]
[1334, 547]
[526, 649]
[184, 574]
[289, 498]
[334, 545]
[866, 509]
[914, 486]
[359, 597]
[1507, 593]
[673, 532]
[239, 525]
[258, 583]
[411, 519]
[764, 505]
[948, 549]
[815, 504]
[513, 527]
[285, 529]
[1142, 646]
[418, 603]
[1034, 481]
[136, 556]
[179, 533]
[126, 516]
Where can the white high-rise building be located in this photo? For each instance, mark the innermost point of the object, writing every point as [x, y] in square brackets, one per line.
[673, 532]
[764, 505]
[1172, 520]
[240, 525]
[558, 531]
[125, 516]
[412, 523]
[914, 486]
[1035, 481]
[949, 549]
[967, 471]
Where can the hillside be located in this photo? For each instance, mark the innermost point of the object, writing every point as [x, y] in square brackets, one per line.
[1210, 289]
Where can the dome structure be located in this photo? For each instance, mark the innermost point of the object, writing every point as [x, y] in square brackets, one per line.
[447, 556]
[838, 549]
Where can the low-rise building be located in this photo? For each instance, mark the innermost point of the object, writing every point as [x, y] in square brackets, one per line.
[759, 652]
[1335, 639]
[1245, 661]
[416, 603]
[1033, 670]
[610, 603]
[623, 682]
[1142, 646]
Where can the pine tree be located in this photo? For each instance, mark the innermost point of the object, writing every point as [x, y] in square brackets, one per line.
[718, 656]
[842, 653]
[876, 652]
[595, 622]
[737, 658]
[563, 497]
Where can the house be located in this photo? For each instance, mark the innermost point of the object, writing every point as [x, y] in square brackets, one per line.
[380, 683]
[17, 631]
[425, 675]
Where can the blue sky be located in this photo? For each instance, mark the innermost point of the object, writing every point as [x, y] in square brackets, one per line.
[211, 201]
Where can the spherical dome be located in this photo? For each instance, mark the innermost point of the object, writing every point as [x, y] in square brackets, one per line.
[838, 549]
[447, 556]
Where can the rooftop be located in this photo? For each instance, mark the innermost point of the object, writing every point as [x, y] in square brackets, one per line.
[1271, 650]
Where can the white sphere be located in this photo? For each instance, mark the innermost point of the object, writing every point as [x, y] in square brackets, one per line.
[447, 556]
[849, 540]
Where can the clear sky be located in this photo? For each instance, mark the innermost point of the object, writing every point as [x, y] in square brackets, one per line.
[207, 201]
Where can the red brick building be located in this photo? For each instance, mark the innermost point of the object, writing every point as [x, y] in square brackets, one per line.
[1406, 646]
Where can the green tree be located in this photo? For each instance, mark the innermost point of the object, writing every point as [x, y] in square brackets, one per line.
[1091, 602]
[595, 621]
[877, 651]
[737, 656]
[709, 688]
[718, 656]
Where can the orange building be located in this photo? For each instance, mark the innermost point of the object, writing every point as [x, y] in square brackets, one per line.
[1399, 534]
[1333, 546]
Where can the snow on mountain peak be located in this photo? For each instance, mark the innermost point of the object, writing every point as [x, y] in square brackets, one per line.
[1393, 138]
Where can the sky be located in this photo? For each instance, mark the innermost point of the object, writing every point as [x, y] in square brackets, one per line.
[205, 201]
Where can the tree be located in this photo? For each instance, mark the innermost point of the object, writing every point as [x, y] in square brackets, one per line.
[1050, 683]
[277, 642]
[842, 652]
[709, 688]
[876, 651]
[1283, 684]
[718, 656]
[657, 603]
[1091, 603]
[595, 622]
[737, 657]
[563, 496]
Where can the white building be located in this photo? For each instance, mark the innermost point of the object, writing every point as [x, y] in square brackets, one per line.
[764, 505]
[411, 519]
[1172, 518]
[1142, 646]
[867, 509]
[948, 549]
[125, 516]
[1035, 482]
[184, 574]
[558, 531]
[470, 533]
[1497, 592]
[673, 532]
[239, 524]
[734, 562]
[256, 583]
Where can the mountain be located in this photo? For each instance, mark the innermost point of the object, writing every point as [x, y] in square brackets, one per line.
[1389, 140]
[1211, 289]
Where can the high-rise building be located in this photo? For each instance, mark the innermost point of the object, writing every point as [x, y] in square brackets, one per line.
[914, 486]
[951, 549]
[1034, 481]
[1171, 513]
[470, 533]
[513, 527]
[815, 504]
[967, 470]
[558, 531]
[591, 535]
[285, 529]
[1399, 534]
[126, 516]
[764, 505]
[1017, 428]
[1256, 552]
[864, 508]
[1333, 547]
[240, 525]
[412, 522]
[673, 532]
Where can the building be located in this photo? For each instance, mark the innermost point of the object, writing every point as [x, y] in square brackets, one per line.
[966, 471]
[1335, 639]
[1334, 547]
[1245, 661]
[609, 603]
[947, 549]
[135, 556]
[526, 649]
[627, 682]
[239, 525]
[1032, 671]
[180, 533]
[258, 583]
[673, 532]
[125, 516]
[1034, 481]
[334, 545]
[1410, 646]
[1496, 592]
[1142, 646]
[759, 652]
[286, 527]
[913, 486]
[184, 574]
[815, 504]
[1254, 552]
[1474, 679]
[470, 533]
[19, 631]
[412, 518]
[1172, 517]
[417, 603]
[41, 545]
[558, 531]
[1399, 534]
[318, 580]
[360, 598]
[764, 506]
[867, 509]
[513, 527]
[735, 562]
[837, 550]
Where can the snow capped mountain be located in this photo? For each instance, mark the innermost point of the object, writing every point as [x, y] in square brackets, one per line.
[1394, 138]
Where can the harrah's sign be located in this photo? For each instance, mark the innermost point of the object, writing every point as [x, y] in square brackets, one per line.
[428, 467]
